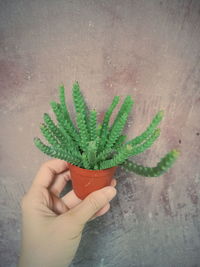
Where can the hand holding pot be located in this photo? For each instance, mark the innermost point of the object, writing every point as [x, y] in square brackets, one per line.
[52, 226]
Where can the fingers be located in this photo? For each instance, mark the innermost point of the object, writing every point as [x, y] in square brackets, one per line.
[58, 206]
[107, 206]
[48, 171]
[71, 200]
[84, 211]
[59, 183]
[101, 211]
[113, 182]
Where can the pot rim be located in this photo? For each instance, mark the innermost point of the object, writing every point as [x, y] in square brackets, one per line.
[91, 171]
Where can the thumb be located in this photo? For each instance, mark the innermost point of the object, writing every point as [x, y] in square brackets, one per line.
[93, 203]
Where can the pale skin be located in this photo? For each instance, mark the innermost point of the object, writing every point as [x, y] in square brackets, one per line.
[52, 225]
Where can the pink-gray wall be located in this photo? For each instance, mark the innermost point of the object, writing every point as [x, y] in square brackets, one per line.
[148, 49]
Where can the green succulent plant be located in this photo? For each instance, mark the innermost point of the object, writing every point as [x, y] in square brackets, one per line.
[96, 146]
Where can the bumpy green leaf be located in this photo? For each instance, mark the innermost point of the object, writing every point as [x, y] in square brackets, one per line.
[64, 107]
[91, 153]
[96, 167]
[104, 154]
[119, 141]
[97, 142]
[58, 136]
[67, 149]
[119, 158]
[85, 161]
[164, 164]
[64, 123]
[80, 105]
[125, 108]
[154, 123]
[83, 131]
[98, 137]
[55, 152]
[69, 141]
[147, 144]
[54, 129]
[105, 124]
[93, 125]
[116, 131]
[48, 135]
[99, 129]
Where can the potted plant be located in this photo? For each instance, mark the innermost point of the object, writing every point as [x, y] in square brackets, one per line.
[93, 151]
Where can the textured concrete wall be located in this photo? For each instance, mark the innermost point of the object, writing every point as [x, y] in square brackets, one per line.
[148, 49]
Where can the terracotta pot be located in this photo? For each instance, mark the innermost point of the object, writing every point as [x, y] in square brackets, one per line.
[86, 181]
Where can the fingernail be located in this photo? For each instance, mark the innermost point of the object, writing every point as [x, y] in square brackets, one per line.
[109, 191]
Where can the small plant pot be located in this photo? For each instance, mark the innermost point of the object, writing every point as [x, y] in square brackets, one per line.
[86, 181]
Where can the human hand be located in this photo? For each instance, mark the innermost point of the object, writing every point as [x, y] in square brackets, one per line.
[52, 226]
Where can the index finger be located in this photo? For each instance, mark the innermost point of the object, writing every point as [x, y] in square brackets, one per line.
[49, 170]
